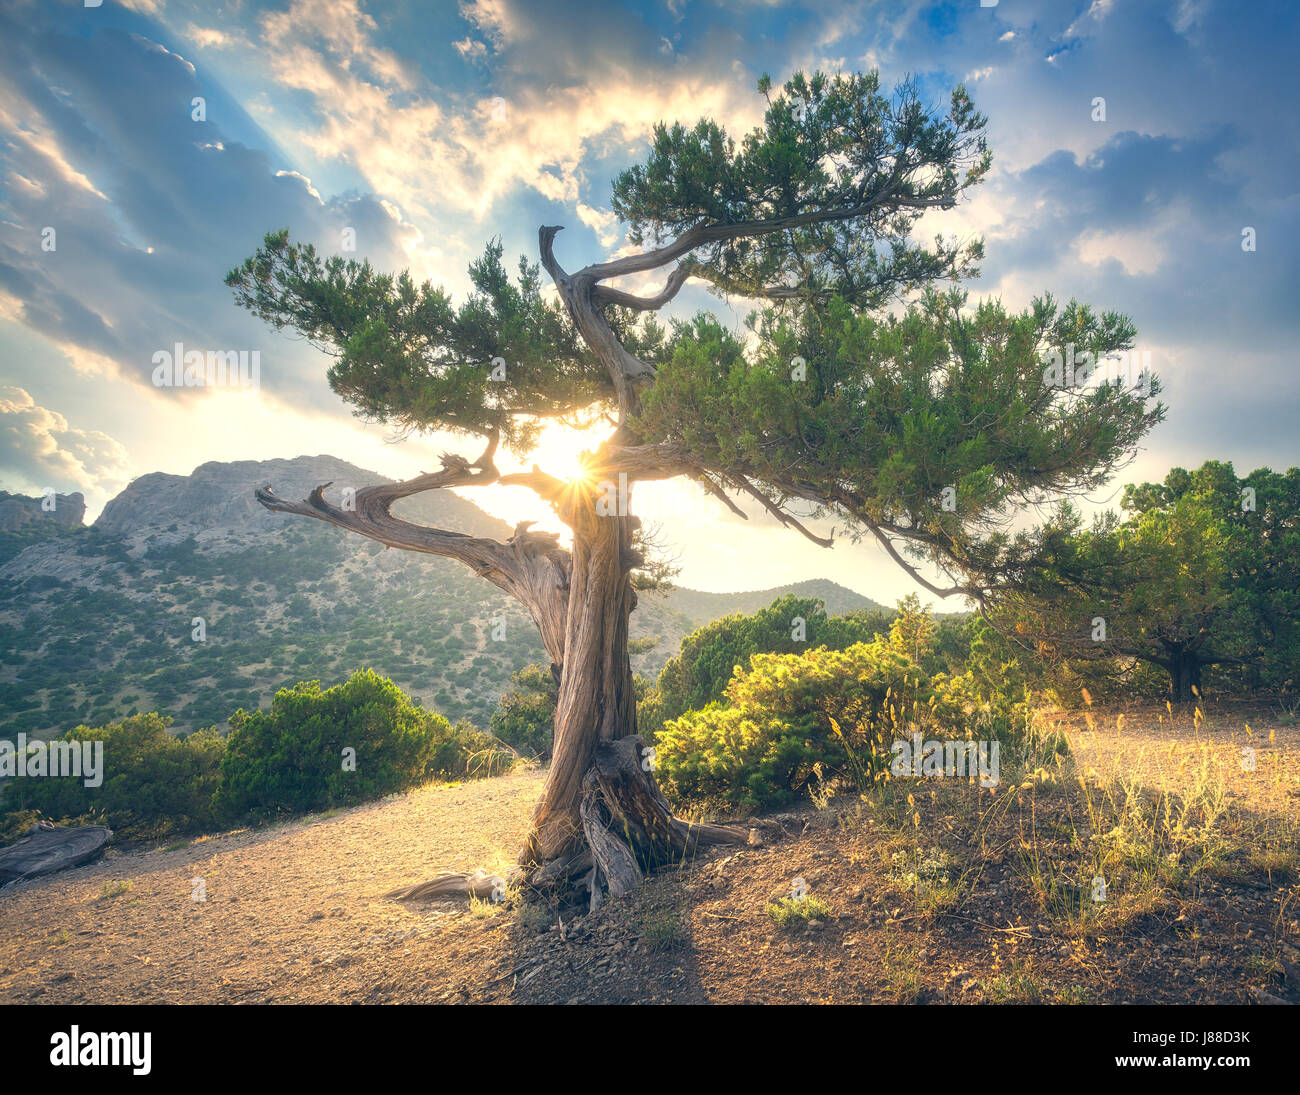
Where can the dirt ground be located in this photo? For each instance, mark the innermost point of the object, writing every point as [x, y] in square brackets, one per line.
[295, 913]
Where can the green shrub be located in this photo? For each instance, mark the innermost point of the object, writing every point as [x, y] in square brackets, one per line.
[154, 784]
[525, 717]
[698, 675]
[468, 752]
[829, 714]
[351, 743]
[760, 746]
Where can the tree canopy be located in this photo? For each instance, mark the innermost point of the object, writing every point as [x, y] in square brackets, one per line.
[1203, 571]
[928, 428]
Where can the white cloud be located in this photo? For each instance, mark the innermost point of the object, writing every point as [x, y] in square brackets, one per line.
[1189, 14]
[435, 155]
[1095, 15]
[208, 37]
[39, 449]
[493, 18]
[1137, 252]
[601, 221]
[470, 49]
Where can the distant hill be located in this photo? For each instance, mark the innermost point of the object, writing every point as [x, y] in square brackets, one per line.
[700, 607]
[97, 622]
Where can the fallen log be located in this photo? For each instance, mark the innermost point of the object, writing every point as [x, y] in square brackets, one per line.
[48, 848]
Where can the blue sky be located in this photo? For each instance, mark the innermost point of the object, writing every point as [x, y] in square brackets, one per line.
[430, 128]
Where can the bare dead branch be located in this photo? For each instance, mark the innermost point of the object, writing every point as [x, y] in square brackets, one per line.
[606, 295]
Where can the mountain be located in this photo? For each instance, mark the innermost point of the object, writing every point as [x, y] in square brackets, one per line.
[189, 598]
[26, 521]
[62, 510]
[702, 607]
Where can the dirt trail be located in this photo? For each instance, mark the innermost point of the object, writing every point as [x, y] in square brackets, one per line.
[286, 908]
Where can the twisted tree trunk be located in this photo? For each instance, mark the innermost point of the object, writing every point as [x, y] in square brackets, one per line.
[602, 820]
[596, 701]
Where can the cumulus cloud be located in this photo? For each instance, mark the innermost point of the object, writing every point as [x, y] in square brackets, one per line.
[39, 449]
[566, 82]
[601, 221]
[470, 49]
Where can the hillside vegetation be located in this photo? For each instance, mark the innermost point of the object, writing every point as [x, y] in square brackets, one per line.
[97, 623]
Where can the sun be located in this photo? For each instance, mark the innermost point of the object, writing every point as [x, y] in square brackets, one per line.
[560, 452]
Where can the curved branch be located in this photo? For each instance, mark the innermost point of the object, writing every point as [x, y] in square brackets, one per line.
[721, 495]
[531, 567]
[777, 512]
[605, 295]
[969, 591]
[641, 463]
[577, 292]
[703, 234]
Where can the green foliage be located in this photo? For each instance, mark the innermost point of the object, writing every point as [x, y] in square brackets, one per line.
[892, 413]
[292, 759]
[826, 714]
[1193, 577]
[405, 355]
[525, 717]
[827, 145]
[791, 912]
[154, 784]
[288, 760]
[710, 655]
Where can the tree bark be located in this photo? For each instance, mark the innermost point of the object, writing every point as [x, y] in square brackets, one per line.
[1184, 675]
[596, 701]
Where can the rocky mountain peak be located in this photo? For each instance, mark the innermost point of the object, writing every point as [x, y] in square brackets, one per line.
[18, 511]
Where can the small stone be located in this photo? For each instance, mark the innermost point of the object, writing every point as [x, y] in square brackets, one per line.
[816, 925]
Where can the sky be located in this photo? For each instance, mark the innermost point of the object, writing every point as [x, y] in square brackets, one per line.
[147, 146]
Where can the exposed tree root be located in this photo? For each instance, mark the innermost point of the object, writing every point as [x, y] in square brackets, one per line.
[480, 884]
[628, 830]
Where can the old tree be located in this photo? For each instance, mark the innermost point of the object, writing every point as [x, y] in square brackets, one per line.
[927, 429]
